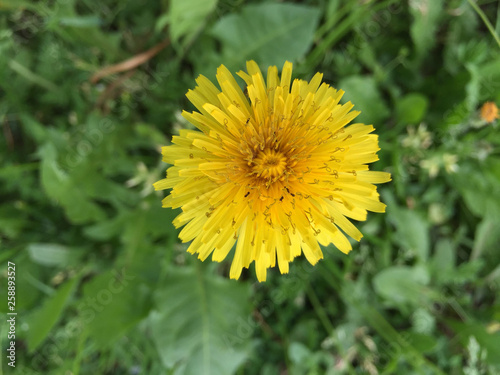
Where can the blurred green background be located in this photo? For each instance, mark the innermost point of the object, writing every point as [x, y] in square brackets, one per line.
[103, 285]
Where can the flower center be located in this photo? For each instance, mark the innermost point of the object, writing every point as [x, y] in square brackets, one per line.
[269, 164]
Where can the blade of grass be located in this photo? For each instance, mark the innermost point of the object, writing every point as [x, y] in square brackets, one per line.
[319, 310]
[79, 352]
[335, 277]
[497, 26]
[333, 37]
[392, 336]
[30, 76]
[494, 276]
[485, 20]
[387, 331]
[330, 23]
[342, 29]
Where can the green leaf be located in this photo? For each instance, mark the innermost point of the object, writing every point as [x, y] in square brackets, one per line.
[188, 16]
[391, 335]
[43, 320]
[60, 187]
[426, 14]
[443, 261]
[106, 229]
[31, 76]
[113, 303]
[33, 128]
[362, 91]
[267, 33]
[201, 323]
[423, 321]
[487, 236]
[151, 133]
[81, 21]
[62, 20]
[421, 342]
[488, 341]
[401, 284]
[478, 184]
[17, 4]
[7, 255]
[489, 74]
[53, 254]
[12, 221]
[411, 108]
[412, 231]
[298, 352]
[468, 271]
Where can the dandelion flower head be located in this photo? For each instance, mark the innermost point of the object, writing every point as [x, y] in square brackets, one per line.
[273, 169]
[489, 112]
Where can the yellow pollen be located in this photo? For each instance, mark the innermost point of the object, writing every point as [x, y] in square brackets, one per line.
[269, 163]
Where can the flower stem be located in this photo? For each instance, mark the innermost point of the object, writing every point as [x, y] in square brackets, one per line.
[320, 311]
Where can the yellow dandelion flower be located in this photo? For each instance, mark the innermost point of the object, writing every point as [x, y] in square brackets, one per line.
[273, 170]
[489, 112]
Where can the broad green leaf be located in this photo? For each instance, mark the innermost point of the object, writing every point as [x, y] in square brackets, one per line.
[150, 218]
[412, 231]
[151, 133]
[411, 108]
[468, 271]
[53, 254]
[421, 342]
[426, 15]
[443, 261]
[43, 320]
[59, 186]
[158, 220]
[101, 188]
[107, 229]
[489, 73]
[267, 33]
[201, 322]
[423, 321]
[487, 236]
[478, 184]
[362, 91]
[459, 114]
[298, 352]
[188, 16]
[33, 128]
[401, 284]
[112, 304]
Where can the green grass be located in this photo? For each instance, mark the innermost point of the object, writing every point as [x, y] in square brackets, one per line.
[103, 285]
